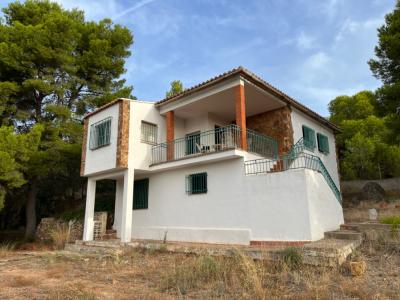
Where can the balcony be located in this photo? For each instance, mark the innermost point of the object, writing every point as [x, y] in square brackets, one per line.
[212, 141]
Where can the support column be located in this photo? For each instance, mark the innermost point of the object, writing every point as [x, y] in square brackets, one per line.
[240, 106]
[127, 206]
[119, 192]
[89, 210]
[170, 134]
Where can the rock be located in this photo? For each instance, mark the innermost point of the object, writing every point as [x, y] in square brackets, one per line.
[357, 268]
[373, 191]
[372, 214]
[44, 229]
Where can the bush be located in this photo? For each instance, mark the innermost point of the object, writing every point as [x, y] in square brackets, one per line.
[393, 220]
[60, 235]
[292, 257]
[6, 249]
[72, 215]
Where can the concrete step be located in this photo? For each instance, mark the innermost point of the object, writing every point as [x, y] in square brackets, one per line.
[111, 231]
[109, 236]
[344, 235]
[91, 249]
[353, 227]
[329, 252]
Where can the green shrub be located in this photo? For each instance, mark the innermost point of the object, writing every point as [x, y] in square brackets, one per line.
[393, 220]
[292, 257]
[72, 215]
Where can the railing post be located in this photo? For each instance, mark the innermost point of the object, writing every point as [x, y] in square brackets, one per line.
[240, 106]
[170, 134]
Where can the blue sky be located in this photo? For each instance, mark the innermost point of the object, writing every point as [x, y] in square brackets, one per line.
[313, 50]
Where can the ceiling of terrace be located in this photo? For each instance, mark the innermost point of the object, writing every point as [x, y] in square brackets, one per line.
[222, 104]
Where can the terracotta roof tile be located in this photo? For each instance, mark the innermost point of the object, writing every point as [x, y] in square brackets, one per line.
[256, 80]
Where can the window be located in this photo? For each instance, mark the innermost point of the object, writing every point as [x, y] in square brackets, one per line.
[100, 133]
[323, 145]
[149, 133]
[196, 183]
[309, 138]
[141, 194]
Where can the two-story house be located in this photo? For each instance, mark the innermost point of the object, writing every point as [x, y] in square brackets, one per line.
[232, 160]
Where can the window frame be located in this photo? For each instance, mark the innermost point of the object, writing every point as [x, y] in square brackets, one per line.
[203, 177]
[322, 145]
[147, 141]
[145, 204]
[94, 135]
[309, 145]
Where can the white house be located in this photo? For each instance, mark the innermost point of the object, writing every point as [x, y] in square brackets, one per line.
[232, 160]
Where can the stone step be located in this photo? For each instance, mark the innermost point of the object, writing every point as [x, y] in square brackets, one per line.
[109, 236]
[329, 252]
[353, 227]
[111, 231]
[344, 235]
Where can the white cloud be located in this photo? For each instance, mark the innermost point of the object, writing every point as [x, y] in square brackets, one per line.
[94, 9]
[305, 41]
[317, 61]
[352, 27]
[133, 8]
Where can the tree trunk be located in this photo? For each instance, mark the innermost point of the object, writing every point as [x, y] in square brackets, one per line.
[30, 210]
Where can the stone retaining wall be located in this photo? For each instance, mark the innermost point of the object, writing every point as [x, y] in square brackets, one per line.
[75, 228]
[356, 191]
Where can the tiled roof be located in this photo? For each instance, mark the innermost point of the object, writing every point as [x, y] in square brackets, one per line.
[259, 82]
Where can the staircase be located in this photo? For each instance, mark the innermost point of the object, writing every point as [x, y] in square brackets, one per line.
[296, 158]
[277, 167]
[334, 248]
[344, 234]
[111, 234]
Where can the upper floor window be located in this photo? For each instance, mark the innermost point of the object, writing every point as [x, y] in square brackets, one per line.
[323, 144]
[309, 138]
[100, 134]
[149, 133]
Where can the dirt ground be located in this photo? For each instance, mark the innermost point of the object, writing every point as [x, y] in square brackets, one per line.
[158, 275]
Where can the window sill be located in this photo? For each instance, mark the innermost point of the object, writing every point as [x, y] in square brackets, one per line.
[102, 146]
[148, 143]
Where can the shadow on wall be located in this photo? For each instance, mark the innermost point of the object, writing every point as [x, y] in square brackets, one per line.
[356, 191]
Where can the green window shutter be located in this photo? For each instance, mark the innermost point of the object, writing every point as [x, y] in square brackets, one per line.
[196, 183]
[100, 134]
[309, 138]
[141, 194]
[323, 143]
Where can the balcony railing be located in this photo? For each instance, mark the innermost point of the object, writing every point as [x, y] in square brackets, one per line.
[219, 139]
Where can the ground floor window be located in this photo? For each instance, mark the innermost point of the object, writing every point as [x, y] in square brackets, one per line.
[141, 194]
[196, 183]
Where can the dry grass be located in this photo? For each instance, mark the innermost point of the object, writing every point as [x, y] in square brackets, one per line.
[159, 275]
[68, 292]
[22, 281]
[6, 249]
[59, 235]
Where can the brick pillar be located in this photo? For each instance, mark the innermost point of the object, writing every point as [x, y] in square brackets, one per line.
[170, 135]
[241, 115]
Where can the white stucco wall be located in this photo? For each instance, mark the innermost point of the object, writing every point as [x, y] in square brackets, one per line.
[236, 208]
[326, 212]
[140, 152]
[298, 120]
[104, 158]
